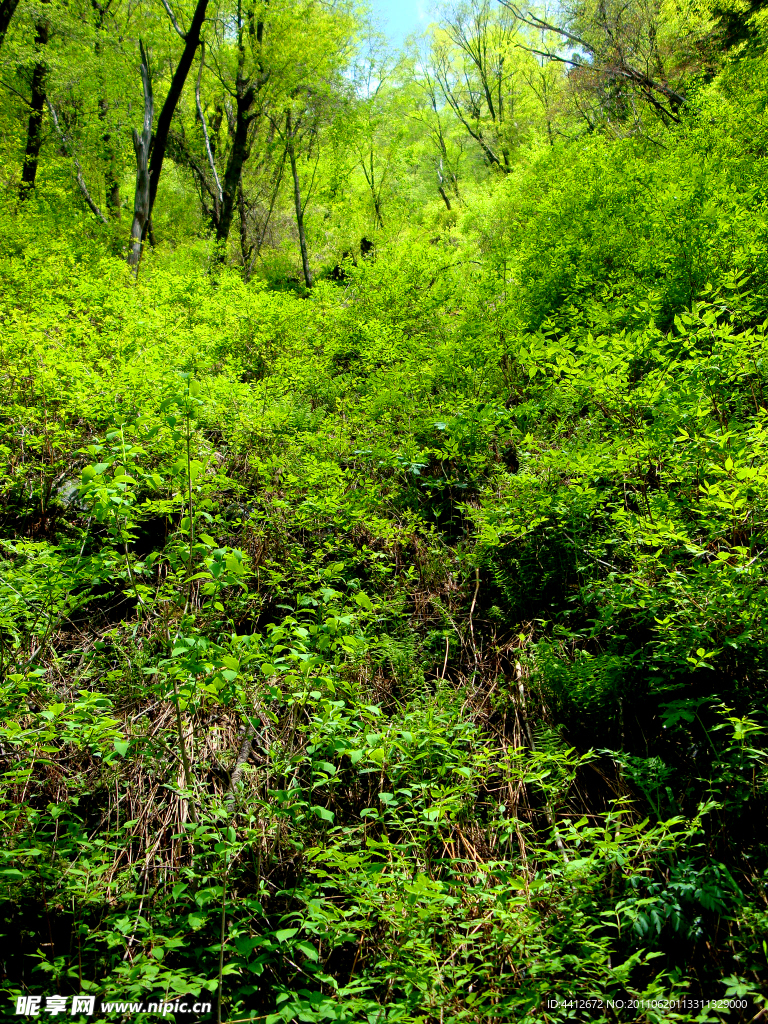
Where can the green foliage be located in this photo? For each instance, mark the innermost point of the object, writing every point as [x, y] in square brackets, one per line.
[397, 652]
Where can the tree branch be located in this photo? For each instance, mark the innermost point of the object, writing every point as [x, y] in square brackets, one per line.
[201, 115]
[602, 64]
[172, 16]
[533, 21]
[78, 169]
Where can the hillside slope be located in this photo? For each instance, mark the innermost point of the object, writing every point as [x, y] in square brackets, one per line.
[398, 653]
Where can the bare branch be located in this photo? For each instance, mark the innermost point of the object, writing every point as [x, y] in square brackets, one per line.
[612, 64]
[545, 26]
[172, 16]
[78, 169]
[142, 204]
[554, 56]
[201, 115]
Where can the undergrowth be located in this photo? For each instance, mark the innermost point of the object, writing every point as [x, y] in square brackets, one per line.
[397, 654]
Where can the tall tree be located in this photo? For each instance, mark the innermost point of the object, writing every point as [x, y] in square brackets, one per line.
[473, 61]
[142, 143]
[148, 177]
[300, 133]
[622, 49]
[36, 107]
[250, 79]
[274, 59]
[291, 131]
[445, 144]
[101, 10]
[377, 125]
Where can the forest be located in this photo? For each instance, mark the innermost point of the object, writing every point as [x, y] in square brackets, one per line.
[384, 512]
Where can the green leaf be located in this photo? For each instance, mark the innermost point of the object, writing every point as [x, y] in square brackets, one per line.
[364, 601]
[308, 950]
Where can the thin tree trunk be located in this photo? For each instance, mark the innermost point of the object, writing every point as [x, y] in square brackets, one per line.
[244, 250]
[35, 123]
[246, 91]
[262, 233]
[111, 172]
[180, 153]
[141, 143]
[160, 141]
[297, 202]
[208, 148]
[376, 196]
[441, 180]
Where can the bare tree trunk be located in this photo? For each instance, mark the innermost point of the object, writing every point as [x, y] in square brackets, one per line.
[297, 201]
[160, 141]
[150, 151]
[111, 172]
[217, 196]
[35, 123]
[441, 180]
[142, 205]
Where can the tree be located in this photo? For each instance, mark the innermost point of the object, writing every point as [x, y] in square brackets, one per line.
[473, 62]
[377, 126]
[436, 117]
[291, 131]
[101, 12]
[66, 146]
[544, 79]
[142, 144]
[275, 68]
[150, 150]
[36, 106]
[622, 49]
[251, 75]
